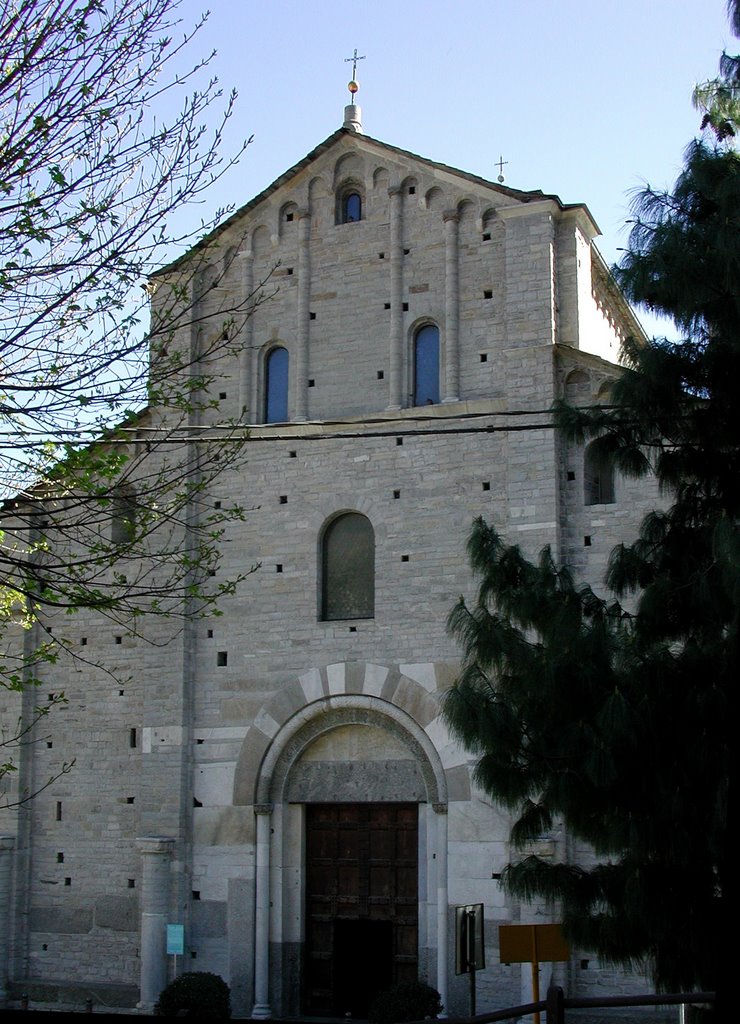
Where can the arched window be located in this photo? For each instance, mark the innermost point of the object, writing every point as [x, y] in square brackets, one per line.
[348, 568]
[598, 477]
[351, 207]
[426, 365]
[276, 386]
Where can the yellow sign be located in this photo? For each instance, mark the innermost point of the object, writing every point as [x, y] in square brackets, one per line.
[531, 943]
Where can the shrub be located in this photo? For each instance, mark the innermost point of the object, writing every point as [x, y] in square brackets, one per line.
[410, 1000]
[202, 995]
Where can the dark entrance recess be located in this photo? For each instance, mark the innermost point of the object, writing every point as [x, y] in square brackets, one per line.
[361, 904]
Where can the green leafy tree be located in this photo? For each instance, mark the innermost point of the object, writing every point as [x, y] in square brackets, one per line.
[107, 139]
[611, 714]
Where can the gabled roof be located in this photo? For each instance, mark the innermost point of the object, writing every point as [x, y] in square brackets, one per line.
[332, 140]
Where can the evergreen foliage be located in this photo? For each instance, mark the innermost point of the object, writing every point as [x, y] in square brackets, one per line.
[610, 716]
[197, 995]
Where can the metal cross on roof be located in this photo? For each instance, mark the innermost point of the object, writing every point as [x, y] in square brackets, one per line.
[354, 58]
[501, 164]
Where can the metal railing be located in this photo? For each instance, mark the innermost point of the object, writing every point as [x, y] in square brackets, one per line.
[556, 1003]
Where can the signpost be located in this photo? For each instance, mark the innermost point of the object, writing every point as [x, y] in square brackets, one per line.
[175, 942]
[469, 946]
[532, 944]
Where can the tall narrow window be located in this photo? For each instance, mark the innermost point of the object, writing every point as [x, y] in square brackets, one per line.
[123, 515]
[351, 207]
[426, 366]
[276, 386]
[348, 568]
[598, 477]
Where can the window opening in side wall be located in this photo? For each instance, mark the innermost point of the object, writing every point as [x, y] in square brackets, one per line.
[276, 386]
[598, 477]
[426, 365]
[123, 516]
[347, 565]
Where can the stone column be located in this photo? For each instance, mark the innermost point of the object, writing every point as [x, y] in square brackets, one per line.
[7, 844]
[303, 333]
[395, 369]
[262, 1010]
[247, 412]
[155, 891]
[452, 308]
[442, 905]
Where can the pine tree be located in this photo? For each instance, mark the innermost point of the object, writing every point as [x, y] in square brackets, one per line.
[611, 715]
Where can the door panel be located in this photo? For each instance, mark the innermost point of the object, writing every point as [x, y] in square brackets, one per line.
[361, 904]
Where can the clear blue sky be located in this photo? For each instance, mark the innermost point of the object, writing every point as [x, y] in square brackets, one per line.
[587, 99]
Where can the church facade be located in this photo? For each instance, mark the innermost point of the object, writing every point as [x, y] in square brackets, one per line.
[279, 780]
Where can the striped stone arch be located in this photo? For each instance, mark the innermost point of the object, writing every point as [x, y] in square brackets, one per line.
[403, 699]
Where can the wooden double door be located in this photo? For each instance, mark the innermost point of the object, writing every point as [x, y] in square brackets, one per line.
[361, 904]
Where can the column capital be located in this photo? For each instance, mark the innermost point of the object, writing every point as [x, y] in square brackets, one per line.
[395, 190]
[263, 808]
[439, 808]
[451, 215]
[155, 844]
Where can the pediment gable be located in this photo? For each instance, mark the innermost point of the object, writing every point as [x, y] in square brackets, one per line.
[349, 157]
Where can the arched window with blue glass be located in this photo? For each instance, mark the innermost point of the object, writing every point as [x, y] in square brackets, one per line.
[426, 365]
[276, 385]
[351, 207]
